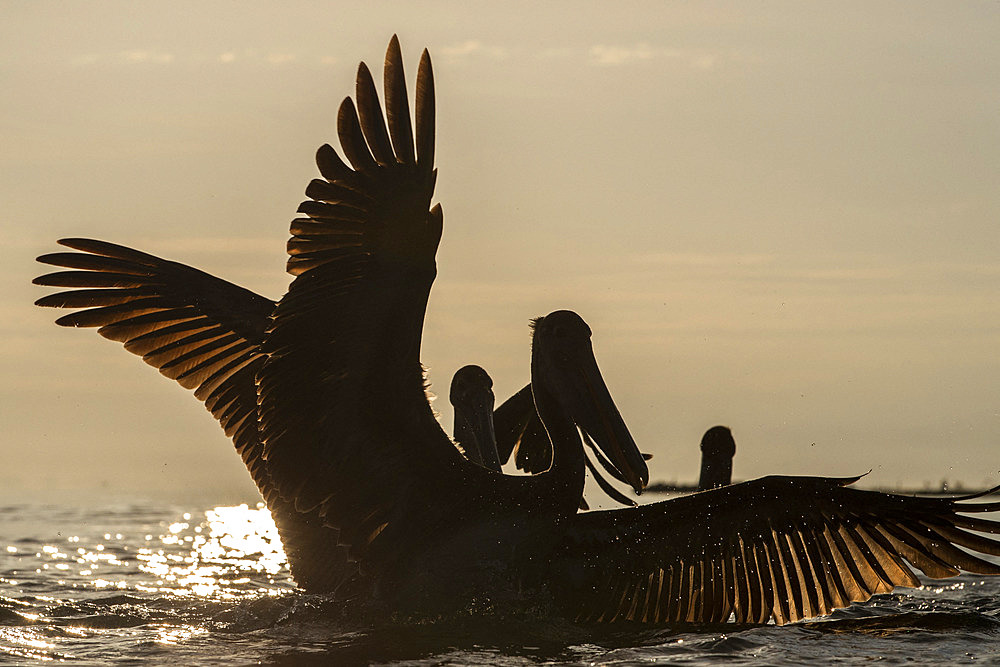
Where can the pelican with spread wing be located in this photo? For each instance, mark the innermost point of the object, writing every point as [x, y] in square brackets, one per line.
[339, 434]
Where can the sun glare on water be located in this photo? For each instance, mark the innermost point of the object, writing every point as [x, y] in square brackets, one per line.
[223, 556]
[125, 584]
[229, 552]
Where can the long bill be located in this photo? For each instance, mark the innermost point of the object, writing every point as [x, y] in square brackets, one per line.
[599, 418]
[480, 425]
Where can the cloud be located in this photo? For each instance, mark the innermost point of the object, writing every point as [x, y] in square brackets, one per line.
[136, 56]
[473, 47]
[611, 55]
[143, 56]
[245, 57]
[621, 55]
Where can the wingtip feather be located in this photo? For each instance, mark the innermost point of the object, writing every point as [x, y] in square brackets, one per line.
[397, 105]
[425, 112]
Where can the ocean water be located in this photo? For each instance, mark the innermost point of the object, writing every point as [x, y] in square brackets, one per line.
[152, 584]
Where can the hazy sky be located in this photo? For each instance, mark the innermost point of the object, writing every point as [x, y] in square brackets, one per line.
[783, 217]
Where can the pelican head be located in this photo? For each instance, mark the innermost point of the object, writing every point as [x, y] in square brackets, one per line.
[563, 358]
[472, 396]
[717, 451]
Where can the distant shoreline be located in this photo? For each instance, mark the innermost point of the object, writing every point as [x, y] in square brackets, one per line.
[943, 490]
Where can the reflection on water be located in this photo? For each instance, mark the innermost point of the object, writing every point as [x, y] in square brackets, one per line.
[172, 584]
[155, 581]
[223, 557]
[225, 553]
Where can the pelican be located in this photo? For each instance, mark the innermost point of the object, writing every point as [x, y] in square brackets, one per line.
[472, 398]
[717, 451]
[345, 435]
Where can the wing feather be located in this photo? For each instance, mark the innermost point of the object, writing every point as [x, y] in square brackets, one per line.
[425, 111]
[830, 586]
[352, 140]
[743, 595]
[760, 574]
[371, 116]
[966, 539]
[783, 607]
[876, 579]
[806, 588]
[397, 104]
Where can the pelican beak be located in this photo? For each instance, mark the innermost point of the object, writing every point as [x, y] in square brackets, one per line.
[475, 431]
[481, 425]
[599, 418]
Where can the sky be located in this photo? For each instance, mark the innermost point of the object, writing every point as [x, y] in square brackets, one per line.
[778, 216]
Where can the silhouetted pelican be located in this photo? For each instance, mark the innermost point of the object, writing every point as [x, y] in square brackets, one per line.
[472, 398]
[717, 451]
[347, 436]
[520, 435]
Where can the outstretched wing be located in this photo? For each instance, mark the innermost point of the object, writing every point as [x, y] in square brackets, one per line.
[781, 548]
[195, 328]
[205, 333]
[347, 427]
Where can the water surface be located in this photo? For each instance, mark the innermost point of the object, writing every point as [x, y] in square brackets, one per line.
[137, 583]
